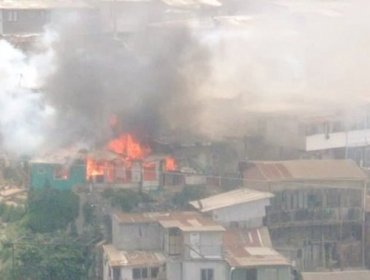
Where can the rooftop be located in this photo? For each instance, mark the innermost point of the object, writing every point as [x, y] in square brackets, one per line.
[132, 258]
[43, 5]
[249, 248]
[337, 275]
[185, 221]
[231, 198]
[303, 170]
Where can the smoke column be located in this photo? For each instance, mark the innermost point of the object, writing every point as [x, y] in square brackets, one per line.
[175, 81]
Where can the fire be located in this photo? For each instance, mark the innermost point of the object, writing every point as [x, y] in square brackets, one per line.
[93, 168]
[123, 168]
[170, 164]
[128, 146]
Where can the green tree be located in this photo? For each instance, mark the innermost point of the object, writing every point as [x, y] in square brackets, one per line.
[46, 258]
[50, 209]
[127, 200]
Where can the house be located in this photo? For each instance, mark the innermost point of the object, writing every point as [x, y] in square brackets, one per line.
[240, 207]
[132, 264]
[105, 168]
[316, 216]
[341, 134]
[191, 243]
[249, 255]
[184, 245]
[56, 175]
[337, 275]
[31, 16]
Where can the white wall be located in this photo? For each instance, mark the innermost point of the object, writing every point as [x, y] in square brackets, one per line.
[353, 138]
[192, 270]
[249, 215]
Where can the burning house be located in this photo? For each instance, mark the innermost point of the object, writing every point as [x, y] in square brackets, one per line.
[56, 174]
[125, 162]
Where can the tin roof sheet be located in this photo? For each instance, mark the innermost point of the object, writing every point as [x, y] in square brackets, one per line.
[231, 198]
[248, 248]
[185, 221]
[132, 258]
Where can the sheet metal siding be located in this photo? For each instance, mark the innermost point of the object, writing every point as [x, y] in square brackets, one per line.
[42, 175]
[247, 212]
[138, 236]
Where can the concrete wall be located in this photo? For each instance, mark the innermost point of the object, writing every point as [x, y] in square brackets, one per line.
[139, 236]
[248, 215]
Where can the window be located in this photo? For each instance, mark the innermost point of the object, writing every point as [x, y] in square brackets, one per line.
[60, 173]
[136, 273]
[12, 15]
[145, 273]
[252, 274]
[154, 271]
[174, 241]
[207, 274]
[116, 273]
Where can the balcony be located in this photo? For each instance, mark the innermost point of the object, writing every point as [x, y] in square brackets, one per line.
[342, 139]
[320, 216]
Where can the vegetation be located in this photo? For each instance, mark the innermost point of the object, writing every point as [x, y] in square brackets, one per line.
[43, 242]
[12, 175]
[127, 200]
[45, 257]
[50, 210]
[10, 214]
[88, 213]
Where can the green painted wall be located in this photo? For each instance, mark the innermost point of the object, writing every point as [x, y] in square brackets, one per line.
[43, 174]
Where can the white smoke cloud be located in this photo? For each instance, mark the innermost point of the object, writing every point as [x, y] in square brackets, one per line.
[24, 116]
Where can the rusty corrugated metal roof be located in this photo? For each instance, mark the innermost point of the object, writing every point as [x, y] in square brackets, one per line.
[304, 170]
[132, 258]
[250, 248]
[185, 221]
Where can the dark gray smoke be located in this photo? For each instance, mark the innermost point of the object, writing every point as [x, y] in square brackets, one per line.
[146, 80]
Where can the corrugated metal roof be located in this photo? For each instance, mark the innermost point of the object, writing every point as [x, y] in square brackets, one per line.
[185, 221]
[337, 275]
[231, 198]
[133, 258]
[248, 248]
[304, 170]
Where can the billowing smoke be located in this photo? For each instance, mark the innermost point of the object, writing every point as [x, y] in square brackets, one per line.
[149, 82]
[24, 116]
[176, 80]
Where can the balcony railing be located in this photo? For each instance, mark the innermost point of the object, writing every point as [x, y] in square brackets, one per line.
[313, 216]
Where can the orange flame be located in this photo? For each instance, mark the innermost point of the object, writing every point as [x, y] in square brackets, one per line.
[170, 164]
[129, 150]
[128, 146]
[93, 168]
